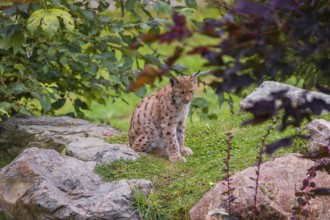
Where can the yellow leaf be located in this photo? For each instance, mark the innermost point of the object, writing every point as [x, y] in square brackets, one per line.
[48, 21]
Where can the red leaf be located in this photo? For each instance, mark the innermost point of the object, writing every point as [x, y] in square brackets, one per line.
[146, 76]
[146, 38]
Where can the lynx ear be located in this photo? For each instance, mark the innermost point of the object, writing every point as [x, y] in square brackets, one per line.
[195, 76]
[173, 80]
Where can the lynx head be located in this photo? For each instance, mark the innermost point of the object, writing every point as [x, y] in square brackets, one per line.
[183, 88]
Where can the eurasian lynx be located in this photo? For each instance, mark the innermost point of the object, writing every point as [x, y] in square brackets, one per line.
[158, 122]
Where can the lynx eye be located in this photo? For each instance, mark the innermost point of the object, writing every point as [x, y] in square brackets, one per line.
[191, 91]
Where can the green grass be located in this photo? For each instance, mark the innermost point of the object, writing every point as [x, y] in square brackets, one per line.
[4, 160]
[179, 186]
[2, 216]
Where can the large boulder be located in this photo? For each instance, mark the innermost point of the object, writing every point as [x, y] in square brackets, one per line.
[278, 182]
[319, 131]
[47, 132]
[43, 184]
[264, 91]
[95, 149]
[83, 139]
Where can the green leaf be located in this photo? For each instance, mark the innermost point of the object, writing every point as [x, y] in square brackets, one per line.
[15, 42]
[212, 116]
[127, 39]
[162, 7]
[152, 59]
[45, 68]
[51, 26]
[205, 109]
[110, 66]
[9, 30]
[49, 21]
[77, 66]
[141, 92]
[10, 11]
[112, 39]
[63, 61]
[202, 115]
[92, 69]
[127, 62]
[130, 5]
[179, 68]
[44, 100]
[95, 86]
[199, 102]
[86, 77]
[221, 98]
[191, 3]
[80, 104]
[5, 108]
[18, 88]
[115, 78]
[58, 104]
[18, 66]
[24, 111]
[89, 15]
[72, 47]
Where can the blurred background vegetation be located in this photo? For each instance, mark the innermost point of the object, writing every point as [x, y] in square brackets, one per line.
[63, 57]
[93, 59]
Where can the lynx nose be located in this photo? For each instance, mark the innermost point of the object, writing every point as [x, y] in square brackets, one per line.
[187, 99]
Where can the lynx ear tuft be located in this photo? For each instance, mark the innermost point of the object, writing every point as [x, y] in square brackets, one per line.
[195, 76]
[173, 81]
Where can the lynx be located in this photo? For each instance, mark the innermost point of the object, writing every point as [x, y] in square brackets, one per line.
[158, 122]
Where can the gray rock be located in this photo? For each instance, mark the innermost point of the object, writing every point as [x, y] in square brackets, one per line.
[278, 183]
[43, 184]
[95, 149]
[294, 93]
[319, 131]
[82, 139]
[56, 133]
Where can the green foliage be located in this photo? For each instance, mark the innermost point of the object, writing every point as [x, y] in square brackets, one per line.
[60, 56]
[191, 3]
[2, 216]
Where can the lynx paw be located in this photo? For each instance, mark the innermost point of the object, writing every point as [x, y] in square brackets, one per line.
[177, 159]
[186, 151]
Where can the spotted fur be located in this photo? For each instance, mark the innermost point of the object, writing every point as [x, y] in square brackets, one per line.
[158, 122]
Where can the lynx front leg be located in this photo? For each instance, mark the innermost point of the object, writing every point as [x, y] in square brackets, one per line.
[180, 134]
[172, 145]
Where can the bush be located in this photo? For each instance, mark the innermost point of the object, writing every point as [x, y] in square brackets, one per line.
[63, 54]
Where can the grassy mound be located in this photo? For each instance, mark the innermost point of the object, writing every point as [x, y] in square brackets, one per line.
[179, 186]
